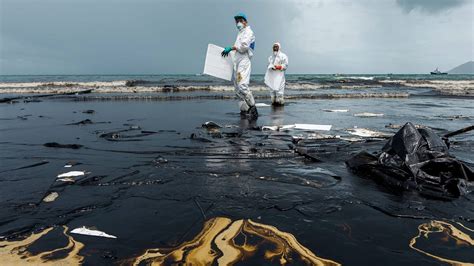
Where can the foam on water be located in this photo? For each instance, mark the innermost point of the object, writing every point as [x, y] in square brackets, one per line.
[91, 84]
[443, 86]
[361, 78]
[459, 85]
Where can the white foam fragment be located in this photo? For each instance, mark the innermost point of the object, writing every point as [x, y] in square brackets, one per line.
[68, 166]
[89, 232]
[262, 105]
[368, 115]
[51, 197]
[364, 132]
[72, 174]
[336, 110]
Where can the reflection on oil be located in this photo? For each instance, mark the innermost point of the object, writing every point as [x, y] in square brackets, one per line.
[446, 233]
[225, 242]
[16, 252]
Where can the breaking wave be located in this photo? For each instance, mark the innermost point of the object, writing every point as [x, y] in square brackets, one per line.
[357, 77]
[442, 87]
[60, 84]
[122, 88]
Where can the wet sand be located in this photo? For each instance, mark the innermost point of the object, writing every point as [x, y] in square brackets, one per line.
[166, 186]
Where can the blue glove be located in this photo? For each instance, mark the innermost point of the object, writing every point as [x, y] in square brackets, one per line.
[226, 51]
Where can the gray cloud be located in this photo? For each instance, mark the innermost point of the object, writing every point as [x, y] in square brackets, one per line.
[429, 6]
[122, 36]
[171, 36]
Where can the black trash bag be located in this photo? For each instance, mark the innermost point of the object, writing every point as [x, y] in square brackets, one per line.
[416, 159]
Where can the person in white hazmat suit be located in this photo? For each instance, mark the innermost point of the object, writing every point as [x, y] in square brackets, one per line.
[278, 61]
[244, 46]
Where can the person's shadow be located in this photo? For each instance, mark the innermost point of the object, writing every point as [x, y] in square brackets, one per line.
[277, 115]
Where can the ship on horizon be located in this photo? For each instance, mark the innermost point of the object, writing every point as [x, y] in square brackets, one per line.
[437, 72]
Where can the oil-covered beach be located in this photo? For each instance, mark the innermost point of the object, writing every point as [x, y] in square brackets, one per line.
[167, 170]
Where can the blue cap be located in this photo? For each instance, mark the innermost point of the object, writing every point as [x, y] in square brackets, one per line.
[240, 15]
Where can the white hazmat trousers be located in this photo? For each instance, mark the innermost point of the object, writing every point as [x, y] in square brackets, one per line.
[279, 59]
[245, 43]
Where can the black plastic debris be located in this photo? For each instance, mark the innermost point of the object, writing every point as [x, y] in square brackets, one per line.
[416, 159]
[32, 101]
[23, 117]
[62, 146]
[87, 122]
[129, 134]
[211, 125]
[83, 122]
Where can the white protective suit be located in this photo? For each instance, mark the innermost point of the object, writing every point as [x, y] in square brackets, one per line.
[279, 59]
[245, 44]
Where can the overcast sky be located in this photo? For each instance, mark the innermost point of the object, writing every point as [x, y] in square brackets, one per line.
[171, 36]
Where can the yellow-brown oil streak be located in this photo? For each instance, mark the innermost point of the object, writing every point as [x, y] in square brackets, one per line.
[425, 229]
[225, 243]
[222, 232]
[195, 252]
[16, 252]
[290, 241]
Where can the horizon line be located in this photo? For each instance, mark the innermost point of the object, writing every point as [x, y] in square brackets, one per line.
[198, 74]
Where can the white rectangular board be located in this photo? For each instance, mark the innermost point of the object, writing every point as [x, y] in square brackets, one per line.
[273, 79]
[216, 65]
[313, 127]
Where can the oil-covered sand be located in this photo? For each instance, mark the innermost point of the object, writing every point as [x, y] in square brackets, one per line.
[172, 191]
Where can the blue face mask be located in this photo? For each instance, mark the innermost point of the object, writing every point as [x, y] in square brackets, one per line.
[240, 25]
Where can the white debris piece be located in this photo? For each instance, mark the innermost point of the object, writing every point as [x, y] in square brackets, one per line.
[314, 136]
[68, 166]
[90, 232]
[66, 179]
[51, 197]
[287, 127]
[313, 127]
[262, 105]
[71, 174]
[273, 128]
[350, 139]
[299, 126]
[322, 136]
[368, 115]
[364, 132]
[336, 110]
